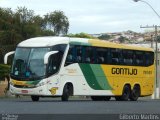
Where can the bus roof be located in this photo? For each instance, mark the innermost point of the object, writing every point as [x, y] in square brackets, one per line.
[43, 41]
[50, 41]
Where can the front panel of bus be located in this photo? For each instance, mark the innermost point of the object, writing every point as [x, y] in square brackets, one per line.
[29, 73]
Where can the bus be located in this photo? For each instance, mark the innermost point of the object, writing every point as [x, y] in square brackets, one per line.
[64, 67]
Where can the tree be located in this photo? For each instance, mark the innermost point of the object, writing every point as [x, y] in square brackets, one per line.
[26, 25]
[8, 34]
[57, 22]
[19, 25]
[105, 37]
[81, 35]
[4, 73]
[122, 39]
[31, 25]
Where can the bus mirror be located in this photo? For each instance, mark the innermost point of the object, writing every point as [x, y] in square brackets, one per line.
[6, 56]
[47, 55]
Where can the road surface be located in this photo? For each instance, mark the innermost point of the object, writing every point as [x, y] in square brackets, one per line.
[50, 106]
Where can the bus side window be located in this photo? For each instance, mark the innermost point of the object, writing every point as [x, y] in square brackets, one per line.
[55, 59]
[127, 57]
[78, 56]
[89, 55]
[60, 47]
[101, 55]
[149, 58]
[139, 58]
[71, 55]
[54, 64]
[115, 56]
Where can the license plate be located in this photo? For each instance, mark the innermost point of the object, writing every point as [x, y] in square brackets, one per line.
[24, 91]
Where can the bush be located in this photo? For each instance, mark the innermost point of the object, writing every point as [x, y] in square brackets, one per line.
[4, 71]
[81, 35]
[105, 37]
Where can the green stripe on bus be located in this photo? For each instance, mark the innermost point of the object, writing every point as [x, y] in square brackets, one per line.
[100, 76]
[95, 76]
[80, 43]
[89, 76]
[33, 82]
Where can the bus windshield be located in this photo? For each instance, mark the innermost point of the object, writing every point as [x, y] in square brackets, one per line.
[28, 63]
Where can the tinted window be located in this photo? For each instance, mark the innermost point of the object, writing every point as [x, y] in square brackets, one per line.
[56, 59]
[112, 56]
[149, 58]
[127, 57]
[102, 55]
[89, 55]
[139, 58]
[79, 54]
[115, 56]
[71, 55]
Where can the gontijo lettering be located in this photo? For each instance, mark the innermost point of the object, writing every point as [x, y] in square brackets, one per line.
[124, 71]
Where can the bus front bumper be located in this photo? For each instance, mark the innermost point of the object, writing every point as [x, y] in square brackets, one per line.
[40, 91]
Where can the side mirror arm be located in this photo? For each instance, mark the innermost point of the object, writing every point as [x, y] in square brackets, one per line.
[6, 56]
[47, 55]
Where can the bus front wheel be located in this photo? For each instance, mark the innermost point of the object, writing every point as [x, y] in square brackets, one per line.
[67, 91]
[35, 98]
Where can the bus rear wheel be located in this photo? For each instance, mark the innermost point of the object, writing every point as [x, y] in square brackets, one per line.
[35, 98]
[135, 93]
[125, 94]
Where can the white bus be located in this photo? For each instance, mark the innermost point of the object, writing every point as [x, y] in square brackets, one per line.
[62, 66]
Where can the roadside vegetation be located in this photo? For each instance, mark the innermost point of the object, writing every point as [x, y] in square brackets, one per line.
[21, 24]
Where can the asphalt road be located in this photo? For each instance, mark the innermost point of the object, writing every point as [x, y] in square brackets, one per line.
[76, 106]
[76, 109]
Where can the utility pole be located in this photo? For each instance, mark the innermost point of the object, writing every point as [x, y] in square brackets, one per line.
[152, 40]
[156, 94]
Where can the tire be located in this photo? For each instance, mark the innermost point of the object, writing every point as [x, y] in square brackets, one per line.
[118, 98]
[93, 98]
[107, 98]
[35, 98]
[96, 98]
[125, 94]
[66, 93]
[100, 98]
[135, 93]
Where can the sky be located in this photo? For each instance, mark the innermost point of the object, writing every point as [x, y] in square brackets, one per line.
[95, 16]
